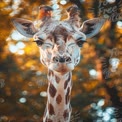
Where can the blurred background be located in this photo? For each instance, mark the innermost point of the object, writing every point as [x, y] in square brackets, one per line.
[97, 80]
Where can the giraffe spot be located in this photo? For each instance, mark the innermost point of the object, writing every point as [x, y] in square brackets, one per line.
[52, 90]
[48, 120]
[66, 114]
[66, 82]
[67, 95]
[58, 99]
[51, 109]
[57, 79]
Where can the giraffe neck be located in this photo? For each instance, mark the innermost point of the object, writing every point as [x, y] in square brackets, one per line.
[58, 107]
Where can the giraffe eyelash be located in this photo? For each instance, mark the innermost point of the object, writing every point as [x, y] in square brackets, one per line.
[39, 42]
[80, 41]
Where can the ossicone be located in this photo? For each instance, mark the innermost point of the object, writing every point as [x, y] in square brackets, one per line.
[74, 16]
[73, 10]
[44, 12]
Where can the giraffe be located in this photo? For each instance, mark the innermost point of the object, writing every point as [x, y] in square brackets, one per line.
[59, 43]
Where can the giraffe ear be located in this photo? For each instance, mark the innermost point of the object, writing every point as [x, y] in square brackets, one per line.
[25, 27]
[91, 27]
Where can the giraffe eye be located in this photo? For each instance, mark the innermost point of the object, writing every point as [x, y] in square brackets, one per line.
[39, 42]
[80, 42]
[48, 45]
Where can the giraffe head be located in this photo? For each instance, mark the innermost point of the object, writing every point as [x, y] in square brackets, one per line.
[59, 41]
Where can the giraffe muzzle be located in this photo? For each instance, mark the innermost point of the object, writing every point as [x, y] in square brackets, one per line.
[62, 59]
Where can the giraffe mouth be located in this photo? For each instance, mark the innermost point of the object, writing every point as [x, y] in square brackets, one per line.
[61, 67]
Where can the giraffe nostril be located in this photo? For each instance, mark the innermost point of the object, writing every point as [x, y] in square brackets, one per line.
[61, 59]
[68, 59]
[55, 59]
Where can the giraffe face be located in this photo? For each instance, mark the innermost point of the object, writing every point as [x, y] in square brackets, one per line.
[60, 46]
[59, 41]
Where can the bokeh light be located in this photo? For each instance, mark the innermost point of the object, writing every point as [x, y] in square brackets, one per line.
[17, 36]
[20, 45]
[43, 94]
[63, 2]
[101, 102]
[110, 1]
[93, 73]
[13, 48]
[22, 100]
[119, 24]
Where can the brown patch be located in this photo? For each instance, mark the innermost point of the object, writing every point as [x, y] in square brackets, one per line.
[52, 90]
[45, 11]
[67, 95]
[62, 32]
[43, 62]
[50, 73]
[51, 109]
[65, 114]
[48, 120]
[58, 99]
[66, 82]
[57, 79]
